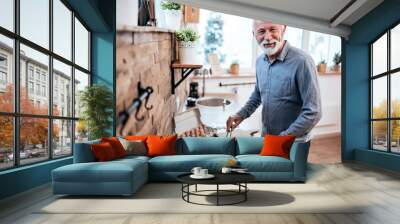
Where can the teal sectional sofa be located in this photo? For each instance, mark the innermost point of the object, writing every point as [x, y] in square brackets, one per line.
[125, 176]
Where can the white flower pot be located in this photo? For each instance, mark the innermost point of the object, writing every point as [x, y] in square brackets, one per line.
[173, 19]
[188, 53]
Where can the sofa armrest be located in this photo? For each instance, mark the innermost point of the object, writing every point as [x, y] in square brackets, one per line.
[298, 155]
[83, 152]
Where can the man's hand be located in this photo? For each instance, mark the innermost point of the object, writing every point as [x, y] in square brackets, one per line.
[232, 122]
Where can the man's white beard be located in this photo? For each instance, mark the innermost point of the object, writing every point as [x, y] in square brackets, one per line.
[268, 50]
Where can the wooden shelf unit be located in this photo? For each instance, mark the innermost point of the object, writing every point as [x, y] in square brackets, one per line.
[186, 70]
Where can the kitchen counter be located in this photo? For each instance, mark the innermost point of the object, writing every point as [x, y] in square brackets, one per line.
[247, 75]
[225, 76]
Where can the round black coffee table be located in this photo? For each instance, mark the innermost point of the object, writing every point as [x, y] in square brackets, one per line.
[238, 179]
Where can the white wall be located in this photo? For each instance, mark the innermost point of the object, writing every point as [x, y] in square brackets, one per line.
[329, 124]
[127, 13]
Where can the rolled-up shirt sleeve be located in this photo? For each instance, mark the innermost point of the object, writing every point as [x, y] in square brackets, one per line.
[251, 105]
[307, 81]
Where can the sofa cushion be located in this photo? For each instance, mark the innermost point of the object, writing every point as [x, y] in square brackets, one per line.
[249, 145]
[111, 171]
[185, 163]
[161, 145]
[257, 163]
[133, 158]
[83, 152]
[205, 145]
[103, 152]
[276, 145]
[116, 145]
[134, 147]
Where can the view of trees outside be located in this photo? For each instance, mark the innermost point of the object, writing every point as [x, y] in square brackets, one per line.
[380, 132]
[62, 144]
[6, 141]
[379, 128]
[33, 131]
[34, 81]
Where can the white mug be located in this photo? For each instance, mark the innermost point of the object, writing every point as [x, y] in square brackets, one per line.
[226, 170]
[196, 171]
[203, 172]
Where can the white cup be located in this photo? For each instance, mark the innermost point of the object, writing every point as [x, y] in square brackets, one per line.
[203, 172]
[226, 170]
[196, 171]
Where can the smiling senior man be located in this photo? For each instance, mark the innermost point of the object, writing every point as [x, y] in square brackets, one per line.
[286, 86]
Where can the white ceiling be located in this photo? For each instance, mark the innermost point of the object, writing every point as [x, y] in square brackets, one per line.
[315, 15]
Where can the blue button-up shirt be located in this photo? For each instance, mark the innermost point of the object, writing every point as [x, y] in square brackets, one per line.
[288, 90]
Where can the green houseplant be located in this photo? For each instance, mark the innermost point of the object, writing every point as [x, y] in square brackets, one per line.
[337, 59]
[168, 5]
[173, 14]
[321, 67]
[187, 35]
[187, 41]
[96, 102]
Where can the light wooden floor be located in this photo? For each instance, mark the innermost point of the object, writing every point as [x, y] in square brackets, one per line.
[379, 189]
[325, 150]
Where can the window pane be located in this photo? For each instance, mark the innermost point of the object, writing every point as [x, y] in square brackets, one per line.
[379, 98]
[33, 139]
[6, 142]
[379, 55]
[62, 89]
[395, 136]
[318, 45]
[294, 36]
[35, 21]
[395, 47]
[395, 94]
[81, 81]
[34, 72]
[7, 14]
[6, 74]
[81, 45]
[62, 141]
[379, 135]
[218, 34]
[62, 29]
[81, 131]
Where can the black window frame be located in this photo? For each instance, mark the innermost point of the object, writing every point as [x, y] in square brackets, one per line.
[16, 115]
[388, 74]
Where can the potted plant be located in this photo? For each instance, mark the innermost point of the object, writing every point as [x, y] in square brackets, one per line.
[173, 14]
[96, 102]
[321, 68]
[337, 59]
[234, 68]
[187, 42]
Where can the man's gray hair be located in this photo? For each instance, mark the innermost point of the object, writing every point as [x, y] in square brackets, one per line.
[256, 22]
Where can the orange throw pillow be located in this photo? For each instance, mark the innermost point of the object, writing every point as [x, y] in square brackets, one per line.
[275, 145]
[161, 145]
[103, 152]
[116, 145]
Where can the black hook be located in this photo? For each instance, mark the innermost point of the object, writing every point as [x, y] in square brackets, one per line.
[150, 91]
[143, 94]
[139, 103]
